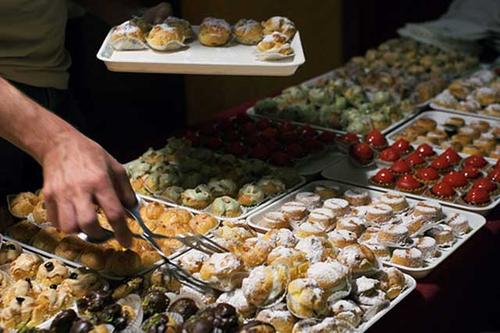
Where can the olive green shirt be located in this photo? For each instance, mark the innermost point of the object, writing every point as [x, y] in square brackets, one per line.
[32, 36]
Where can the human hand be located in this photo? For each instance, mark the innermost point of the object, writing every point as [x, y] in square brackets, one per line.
[158, 13]
[79, 174]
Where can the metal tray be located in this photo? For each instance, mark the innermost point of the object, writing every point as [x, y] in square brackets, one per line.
[233, 59]
[476, 222]
[470, 114]
[343, 171]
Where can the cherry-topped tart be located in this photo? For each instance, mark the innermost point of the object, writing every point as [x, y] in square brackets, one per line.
[443, 190]
[376, 139]
[362, 153]
[408, 183]
[441, 164]
[486, 184]
[477, 196]
[456, 179]
[476, 161]
[427, 175]
[425, 150]
[471, 172]
[494, 175]
[403, 146]
[452, 156]
[400, 167]
[415, 160]
[383, 177]
[389, 155]
[349, 138]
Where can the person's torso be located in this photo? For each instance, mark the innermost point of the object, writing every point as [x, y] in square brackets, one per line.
[32, 42]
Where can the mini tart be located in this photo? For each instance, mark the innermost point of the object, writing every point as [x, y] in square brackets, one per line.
[357, 198]
[472, 150]
[494, 175]
[361, 153]
[455, 179]
[402, 146]
[415, 160]
[477, 197]
[437, 136]
[395, 200]
[443, 191]
[294, 210]
[481, 125]
[441, 164]
[408, 183]
[327, 192]
[427, 175]
[338, 206]
[455, 121]
[452, 156]
[486, 184]
[471, 172]
[379, 213]
[426, 123]
[476, 161]
[310, 199]
[274, 220]
[400, 167]
[443, 234]
[393, 234]
[389, 155]
[425, 151]
[427, 245]
[376, 140]
[469, 131]
[383, 177]
[408, 257]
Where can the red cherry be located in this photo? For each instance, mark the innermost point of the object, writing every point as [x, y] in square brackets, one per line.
[362, 153]
[260, 151]
[235, 148]
[389, 154]
[441, 163]
[486, 184]
[400, 167]
[477, 196]
[312, 145]
[443, 190]
[494, 175]
[248, 128]
[425, 150]
[471, 172]
[402, 145]
[269, 133]
[408, 182]
[214, 143]
[476, 161]
[308, 132]
[415, 160]
[262, 124]
[452, 156]
[295, 150]
[383, 176]
[376, 139]
[428, 174]
[280, 159]
[455, 179]
[349, 138]
[327, 137]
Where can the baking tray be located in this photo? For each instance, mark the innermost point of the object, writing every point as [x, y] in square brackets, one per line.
[472, 114]
[476, 222]
[234, 59]
[342, 170]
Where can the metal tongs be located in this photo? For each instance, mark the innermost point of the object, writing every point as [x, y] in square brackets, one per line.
[198, 242]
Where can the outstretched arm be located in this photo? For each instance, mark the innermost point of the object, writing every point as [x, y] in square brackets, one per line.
[78, 173]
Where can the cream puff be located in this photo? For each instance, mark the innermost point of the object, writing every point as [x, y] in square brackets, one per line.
[248, 32]
[52, 272]
[279, 24]
[25, 266]
[214, 32]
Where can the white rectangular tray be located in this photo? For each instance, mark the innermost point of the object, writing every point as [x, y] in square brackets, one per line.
[234, 59]
[442, 108]
[343, 171]
[476, 222]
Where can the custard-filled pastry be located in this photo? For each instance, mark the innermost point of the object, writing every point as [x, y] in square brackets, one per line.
[332, 277]
[237, 299]
[221, 187]
[81, 282]
[9, 251]
[164, 37]
[21, 288]
[127, 36]
[306, 299]
[94, 257]
[192, 261]
[17, 312]
[347, 311]
[223, 269]
[359, 259]
[250, 195]
[5, 281]
[279, 24]
[214, 32]
[197, 198]
[273, 45]
[254, 251]
[271, 186]
[281, 237]
[279, 316]
[181, 24]
[52, 272]
[25, 266]
[265, 284]
[48, 303]
[316, 249]
[202, 223]
[248, 32]
[392, 281]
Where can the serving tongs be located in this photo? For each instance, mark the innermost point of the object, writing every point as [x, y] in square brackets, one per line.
[198, 242]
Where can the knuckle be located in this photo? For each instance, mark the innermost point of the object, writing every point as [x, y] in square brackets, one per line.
[115, 215]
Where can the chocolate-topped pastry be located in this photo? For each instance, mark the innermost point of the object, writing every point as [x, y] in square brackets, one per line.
[95, 301]
[163, 323]
[186, 307]
[223, 318]
[256, 326]
[81, 326]
[156, 301]
[63, 321]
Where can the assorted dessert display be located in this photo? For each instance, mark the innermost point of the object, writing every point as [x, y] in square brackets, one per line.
[352, 222]
[110, 258]
[370, 92]
[271, 37]
[470, 136]
[477, 94]
[200, 179]
[280, 144]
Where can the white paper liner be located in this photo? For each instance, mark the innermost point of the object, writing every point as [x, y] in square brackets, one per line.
[135, 302]
[273, 55]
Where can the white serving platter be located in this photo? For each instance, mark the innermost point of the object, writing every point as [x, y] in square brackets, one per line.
[342, 170]
[476, 222]
[471, 114]
[233, 59]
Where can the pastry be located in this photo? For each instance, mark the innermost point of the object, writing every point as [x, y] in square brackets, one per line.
[310, 325]
[214, 32]
[408, 183]
[192, 261]
[381, 251]
[51, 272]
[359, 258]
[310, 199]
[455, 121]
[81, 282]
[392, 282]
[486, 96]
[294, 210]
[23, 204]
[70, 247]
[322, 217]
[462, 139]
[172, 193]
[248, 32]
[265, 284]
[396, 201]
[281, 319]
[408, 257]
[315, 248]
[476, 161]
[279, 24]
[123, 263]
[197, 198]
[274, 220]
[332, 277]
[250, 195]
[127, 36]
[254, 251]
[222, 187]
[47, 239]
[443, 234]
[383, 177]
[271, 186]
[9, 251]
[305, 299]
[23, 231]
[428, 246]
[342, 238]
[393, 234]
[202, 223]
[443, 191]
[427, 175]
[281, 237]
[273, 46]
[237, 299]
[223, 269]
[327, 192]
[400, 167]
[357, 197]
[415, 160]
[94, 257]
[40, 213]
[426, 123]
[352, 223]
[5, 281]
[25, 266]
[379, 213]
[429, 210]
[308, 229]
[183, 25]
[413, 223]
[338, 206]
[17, 312]
[226, 206]
[347, 311]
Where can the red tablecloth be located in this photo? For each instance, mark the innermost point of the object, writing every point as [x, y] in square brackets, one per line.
[460, 295]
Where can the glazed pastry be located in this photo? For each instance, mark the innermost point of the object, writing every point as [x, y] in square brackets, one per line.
[396, 201]
[315, 248]
[71, 247]
[443, 234]
[322, 217]
[306, 299]
[408, 257]
[17, 312]
[327, 192]
[393, 234]
[250, 195]
[342, 238]
[203, 223]
[248, 32]
[222, 187]
[223, 269]
[281, 237]
[332, 277]
[81, 282]
[254, 251]
[94, 257]
[21, 288]
[357, 198]
[338, 206]
[427, 246]
[310, 199]
[9, 251]
[23, 204]
[265, 284]
[183, 25]
[393, 282]
[294, 210]
[237, 299]
[23, 231]
[214, 32]
[48, 303]
[281, 319]
[379, 213]
[347, 311]
[197, 198]
[123, 263]
[279, 24]
[25, 266]
[226, 206]
[274, 220]
[353, 224]
[359, 258]
[51, 272]
[271, 186]
[47, 239]
[40, 213]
